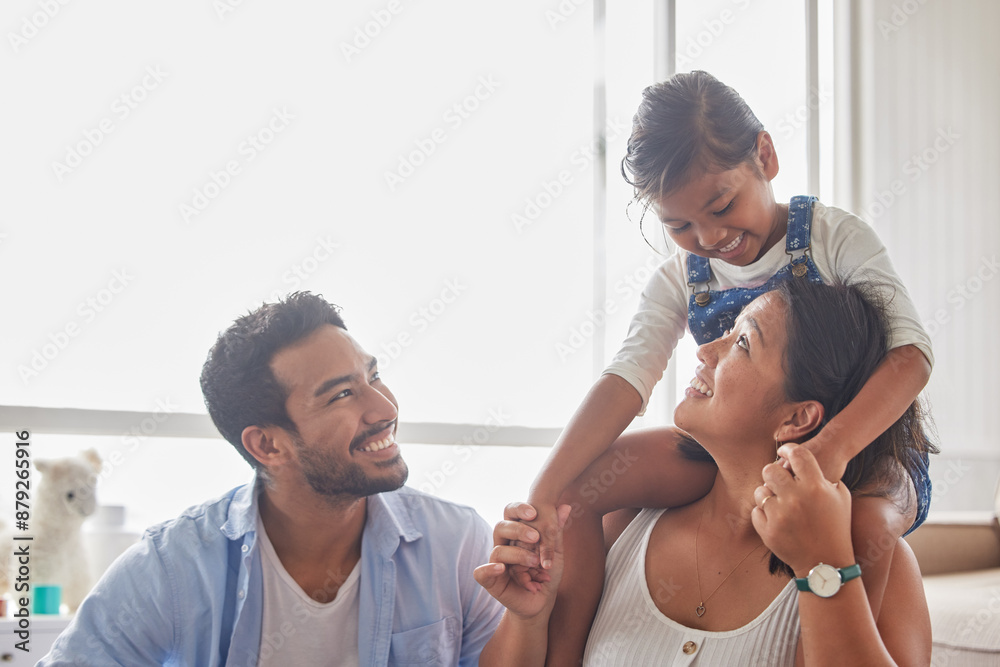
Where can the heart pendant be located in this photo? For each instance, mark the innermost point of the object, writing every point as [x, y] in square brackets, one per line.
[700, 611]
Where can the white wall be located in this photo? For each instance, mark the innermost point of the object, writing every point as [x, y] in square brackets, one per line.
[925, 172]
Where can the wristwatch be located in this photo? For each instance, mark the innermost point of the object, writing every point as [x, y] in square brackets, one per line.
[825, 580]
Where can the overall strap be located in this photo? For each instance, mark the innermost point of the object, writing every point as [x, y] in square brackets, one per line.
[800, 213]
[698, 268]
[798, 236]
[698, 271]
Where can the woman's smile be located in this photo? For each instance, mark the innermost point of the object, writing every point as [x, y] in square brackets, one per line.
[698, 389]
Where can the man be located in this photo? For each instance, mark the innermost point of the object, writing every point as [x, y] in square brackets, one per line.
[325, 559]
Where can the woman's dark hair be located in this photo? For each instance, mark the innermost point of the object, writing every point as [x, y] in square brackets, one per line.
[239, 388]
[837, 336]
[689, 122]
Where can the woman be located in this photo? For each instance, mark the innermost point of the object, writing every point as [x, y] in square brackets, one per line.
[696, 584]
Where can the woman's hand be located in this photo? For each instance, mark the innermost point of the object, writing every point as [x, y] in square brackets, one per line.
[514, 576]
[803, 518]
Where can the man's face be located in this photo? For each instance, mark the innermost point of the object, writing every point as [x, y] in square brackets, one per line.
[346, 418]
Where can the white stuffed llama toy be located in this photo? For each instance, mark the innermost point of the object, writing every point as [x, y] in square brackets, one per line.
[65, 496]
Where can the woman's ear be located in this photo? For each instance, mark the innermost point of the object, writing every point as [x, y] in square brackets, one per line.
[767, 156]
[805, 418]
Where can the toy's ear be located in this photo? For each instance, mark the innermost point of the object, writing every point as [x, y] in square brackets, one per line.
[93, 458]
[43, 465]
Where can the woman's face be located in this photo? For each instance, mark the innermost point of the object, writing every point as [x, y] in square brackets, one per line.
[738, 391]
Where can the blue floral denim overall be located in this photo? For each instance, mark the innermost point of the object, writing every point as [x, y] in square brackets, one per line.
[712, 312]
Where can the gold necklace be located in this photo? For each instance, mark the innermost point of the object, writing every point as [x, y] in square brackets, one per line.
[700, 609]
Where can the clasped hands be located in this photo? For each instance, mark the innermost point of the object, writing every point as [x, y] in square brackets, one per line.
[801, 516]
[514, 575]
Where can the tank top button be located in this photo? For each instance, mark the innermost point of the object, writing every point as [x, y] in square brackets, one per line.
[690, 647]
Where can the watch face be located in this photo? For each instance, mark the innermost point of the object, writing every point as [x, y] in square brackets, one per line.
[824, 580]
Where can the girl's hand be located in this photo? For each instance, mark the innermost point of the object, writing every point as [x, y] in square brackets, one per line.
[546, 522]
[514, 576]
[803, 518]
[827, 452]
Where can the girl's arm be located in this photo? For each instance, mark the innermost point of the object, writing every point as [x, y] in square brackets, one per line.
[642, 469]
[610, 405]
[513, 577]
[608, 408]
[890, 390]
[805, 520]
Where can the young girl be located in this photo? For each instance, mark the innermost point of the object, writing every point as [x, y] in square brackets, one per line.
[701, 161]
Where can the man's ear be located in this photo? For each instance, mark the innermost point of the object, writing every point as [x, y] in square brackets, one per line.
[266, 444]
[805, 418]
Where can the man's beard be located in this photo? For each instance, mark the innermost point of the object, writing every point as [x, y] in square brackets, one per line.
[346, 480]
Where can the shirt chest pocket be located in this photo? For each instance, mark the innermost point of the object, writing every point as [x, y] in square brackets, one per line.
[435, 644]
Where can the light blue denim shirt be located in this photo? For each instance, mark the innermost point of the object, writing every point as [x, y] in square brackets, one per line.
[190, 592]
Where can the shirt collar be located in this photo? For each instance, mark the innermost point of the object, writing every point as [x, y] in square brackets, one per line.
[390, 516]
[242, 515]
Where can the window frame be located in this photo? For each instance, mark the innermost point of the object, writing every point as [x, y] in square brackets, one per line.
[199, 425]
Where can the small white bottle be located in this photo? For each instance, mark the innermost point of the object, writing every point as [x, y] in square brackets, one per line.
[105, 538]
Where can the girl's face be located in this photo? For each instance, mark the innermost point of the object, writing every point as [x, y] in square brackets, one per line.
[738, 391]
[729, 215]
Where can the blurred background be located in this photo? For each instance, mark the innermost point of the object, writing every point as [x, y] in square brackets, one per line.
[448, 173]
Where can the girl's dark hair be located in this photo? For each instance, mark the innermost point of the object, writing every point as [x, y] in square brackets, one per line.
[690, 121]
[837, 336]
[239, 388]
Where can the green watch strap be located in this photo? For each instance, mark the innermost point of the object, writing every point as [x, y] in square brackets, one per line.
[850, 572]
[846, 574]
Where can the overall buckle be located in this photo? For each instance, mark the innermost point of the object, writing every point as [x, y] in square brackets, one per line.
[799, 268]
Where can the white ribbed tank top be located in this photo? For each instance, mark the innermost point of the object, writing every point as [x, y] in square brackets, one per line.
[629, 631]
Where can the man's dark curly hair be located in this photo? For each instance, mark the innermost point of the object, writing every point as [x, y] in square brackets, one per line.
[239, 387]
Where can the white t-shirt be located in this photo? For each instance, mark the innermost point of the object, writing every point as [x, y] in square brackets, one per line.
[630, 630]
[843, 247]
[298, 630]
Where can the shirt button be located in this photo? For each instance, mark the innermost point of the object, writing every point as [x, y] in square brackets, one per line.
[690, 647]
[245, 548]
[242, 594]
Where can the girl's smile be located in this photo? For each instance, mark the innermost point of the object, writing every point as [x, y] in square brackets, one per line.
[733, 249]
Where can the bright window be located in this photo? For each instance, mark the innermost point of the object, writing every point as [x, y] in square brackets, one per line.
[432, 179]
[430, 168]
